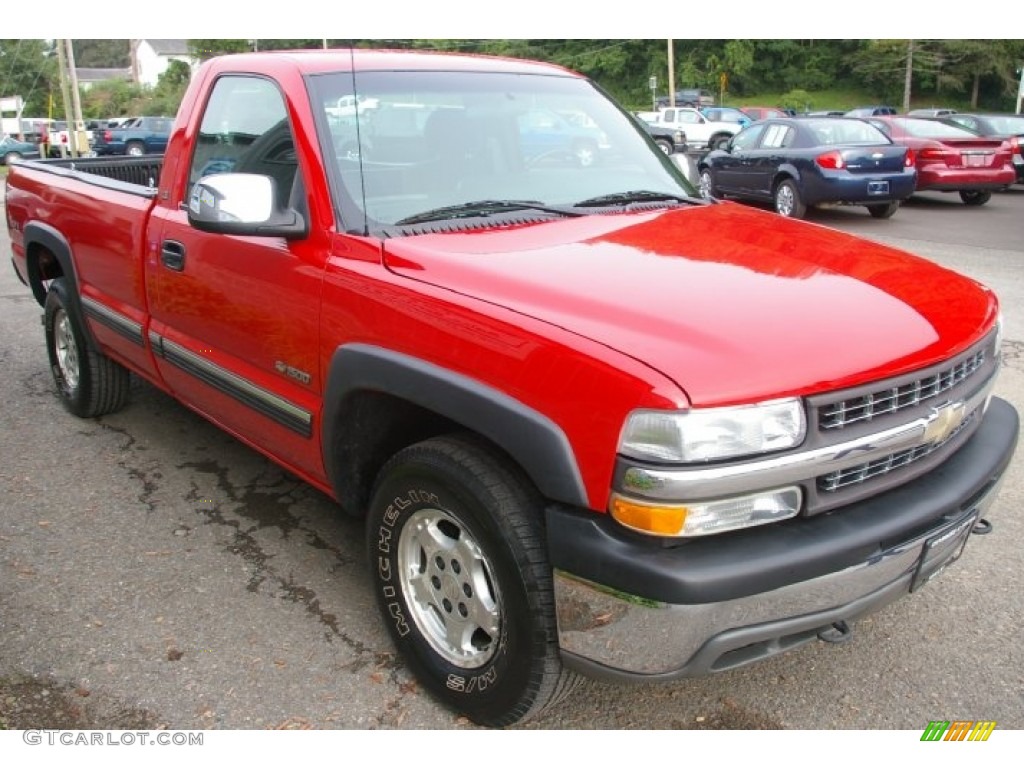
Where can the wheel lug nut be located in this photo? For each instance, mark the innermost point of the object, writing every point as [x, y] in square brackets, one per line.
[447, 605]
[467, 590]
[463, 610]
[456, 568]
[436, 582]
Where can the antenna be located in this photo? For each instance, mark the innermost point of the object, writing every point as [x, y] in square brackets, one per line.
[359, 139]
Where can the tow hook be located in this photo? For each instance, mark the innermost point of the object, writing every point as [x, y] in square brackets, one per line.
[982, 527]
[838, 633]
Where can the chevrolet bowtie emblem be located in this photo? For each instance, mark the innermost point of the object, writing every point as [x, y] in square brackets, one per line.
[943, 421]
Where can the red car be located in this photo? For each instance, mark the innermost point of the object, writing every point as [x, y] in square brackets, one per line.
[951, 159]
[763, 113]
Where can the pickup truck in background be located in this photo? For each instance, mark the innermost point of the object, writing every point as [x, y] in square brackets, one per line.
[701, 131]
[59, 140]
[136, 136]
[594, 424]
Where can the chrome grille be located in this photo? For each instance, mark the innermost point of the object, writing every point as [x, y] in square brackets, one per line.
[881, 466]
[894, 399]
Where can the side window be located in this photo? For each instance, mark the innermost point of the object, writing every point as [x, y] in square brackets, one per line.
[745, 140]
[245, 129]
[777, 136]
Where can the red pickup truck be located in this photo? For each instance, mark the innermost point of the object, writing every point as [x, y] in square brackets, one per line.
[595, 424]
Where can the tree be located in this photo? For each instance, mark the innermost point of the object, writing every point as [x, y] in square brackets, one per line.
[27, 69]
[102, 53]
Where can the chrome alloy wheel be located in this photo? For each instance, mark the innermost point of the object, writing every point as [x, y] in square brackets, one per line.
[67, 350]
[784, 201]
[448, 584]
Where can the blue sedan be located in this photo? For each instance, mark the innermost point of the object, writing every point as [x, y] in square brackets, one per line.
[795, 163]
[11, 149]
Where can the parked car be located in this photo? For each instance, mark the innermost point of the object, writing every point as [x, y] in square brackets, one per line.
[727, 115]
[136, 136]
[950, 158]
[546, 135]
[701, 131]
[871, 111]
[59, 140]
[669, 140]
[1007, 127]
[763, 113]
[800, 162]
[824, 113]
[931, 112]
[12, 149]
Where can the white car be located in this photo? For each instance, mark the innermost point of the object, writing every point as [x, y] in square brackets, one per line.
[701, 133]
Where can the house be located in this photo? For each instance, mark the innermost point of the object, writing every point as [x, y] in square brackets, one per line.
[89, 76]
[152, 57]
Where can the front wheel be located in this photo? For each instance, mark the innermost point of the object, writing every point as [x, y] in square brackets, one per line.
[719, 142]
[883, 210]
[787, 200]
[11, 156]
[461, 575]
[89, 383]
[974, 197]
[665, 146]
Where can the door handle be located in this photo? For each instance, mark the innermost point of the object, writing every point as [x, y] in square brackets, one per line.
[172, 254]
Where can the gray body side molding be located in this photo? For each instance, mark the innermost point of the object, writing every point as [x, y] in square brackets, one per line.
[533, 440]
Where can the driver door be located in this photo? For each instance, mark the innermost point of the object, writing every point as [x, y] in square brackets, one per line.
[234, 320]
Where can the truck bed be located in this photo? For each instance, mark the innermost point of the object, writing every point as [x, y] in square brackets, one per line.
[136, 175]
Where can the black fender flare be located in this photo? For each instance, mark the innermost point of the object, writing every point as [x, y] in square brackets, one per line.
[40, 233]
[533, 440]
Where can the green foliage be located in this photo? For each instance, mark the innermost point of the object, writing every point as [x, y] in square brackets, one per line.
[823, 73]
[797, 99]
[113, 98]
[102, 53]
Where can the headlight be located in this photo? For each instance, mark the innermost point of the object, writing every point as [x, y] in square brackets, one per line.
[711, 434]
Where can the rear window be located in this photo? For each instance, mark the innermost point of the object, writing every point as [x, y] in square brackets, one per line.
[835, 131]
[1007, 124]
[932, 129]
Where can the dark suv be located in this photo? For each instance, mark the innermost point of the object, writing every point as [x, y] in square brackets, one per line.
[689, 97]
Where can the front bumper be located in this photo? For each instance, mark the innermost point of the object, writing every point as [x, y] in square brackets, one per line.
[631, 608]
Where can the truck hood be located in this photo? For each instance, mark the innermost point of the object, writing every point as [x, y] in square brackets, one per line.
[733, 304]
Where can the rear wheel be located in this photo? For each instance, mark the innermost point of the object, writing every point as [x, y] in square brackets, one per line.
[461, 575]
[135, 148]
[883, 210]
[787, 200]
[974, 197]
[89, 383]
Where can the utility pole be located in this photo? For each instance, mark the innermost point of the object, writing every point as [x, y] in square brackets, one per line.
[1020, 88]
[671, 75]
[62, 66]
[907, 81]
[79, 144]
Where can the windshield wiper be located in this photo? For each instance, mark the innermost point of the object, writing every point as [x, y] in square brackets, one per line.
[483, 208]
[634, 196]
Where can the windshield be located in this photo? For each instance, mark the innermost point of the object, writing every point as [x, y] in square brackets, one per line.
[412, 143]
